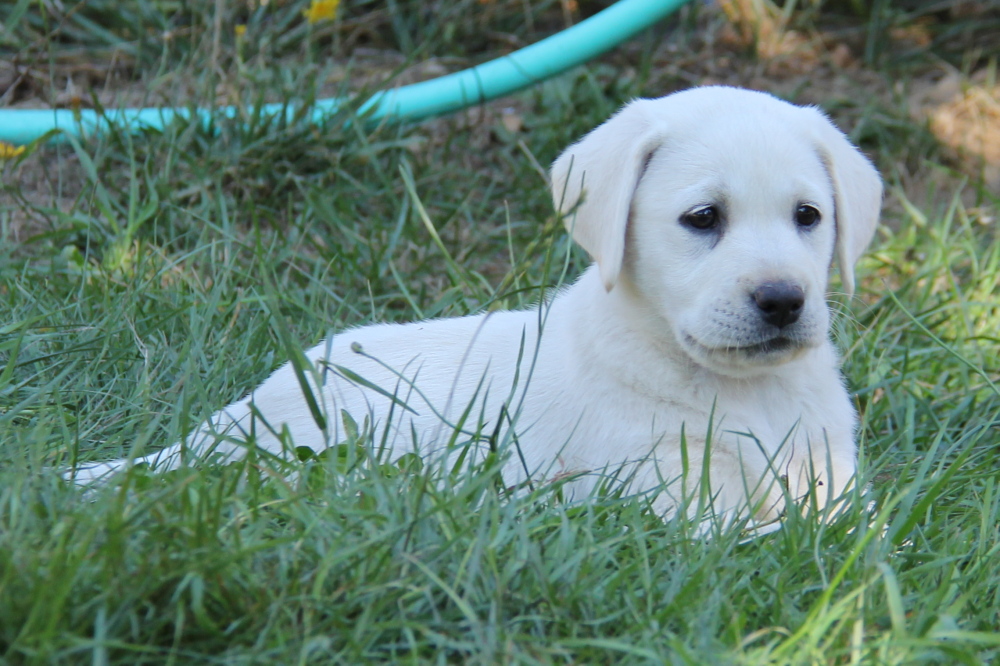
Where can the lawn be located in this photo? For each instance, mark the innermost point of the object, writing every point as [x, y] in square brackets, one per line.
[146, 280]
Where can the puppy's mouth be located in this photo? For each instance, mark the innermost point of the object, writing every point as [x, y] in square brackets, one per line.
[775, 345]
[771, 349]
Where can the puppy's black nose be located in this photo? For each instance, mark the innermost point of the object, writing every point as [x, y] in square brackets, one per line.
[780, 303]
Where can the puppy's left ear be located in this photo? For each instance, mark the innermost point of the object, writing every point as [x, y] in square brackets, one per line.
[857, 190]
[593, 182]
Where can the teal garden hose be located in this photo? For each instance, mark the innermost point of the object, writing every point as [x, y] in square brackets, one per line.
[446, 94]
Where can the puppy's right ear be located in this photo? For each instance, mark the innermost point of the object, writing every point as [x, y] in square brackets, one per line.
[593, 182]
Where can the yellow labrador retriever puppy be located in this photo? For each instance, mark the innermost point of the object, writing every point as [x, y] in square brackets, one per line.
[698, 339]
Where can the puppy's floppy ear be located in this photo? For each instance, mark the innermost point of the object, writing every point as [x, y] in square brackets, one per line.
[594, 179]
[857, 191]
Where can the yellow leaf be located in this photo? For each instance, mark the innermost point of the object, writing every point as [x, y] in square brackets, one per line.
[9, 151]
[321, 10]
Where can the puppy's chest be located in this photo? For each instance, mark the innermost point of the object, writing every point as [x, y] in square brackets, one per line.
[778, 417]
[773, 413]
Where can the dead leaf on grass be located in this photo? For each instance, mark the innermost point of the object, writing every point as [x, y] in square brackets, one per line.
[511, 120]
[965, 117]
[762, 26]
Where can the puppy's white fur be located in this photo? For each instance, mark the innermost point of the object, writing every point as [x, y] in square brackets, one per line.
[659, 342]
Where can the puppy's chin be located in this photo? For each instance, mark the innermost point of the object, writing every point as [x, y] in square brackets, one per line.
[746, 359]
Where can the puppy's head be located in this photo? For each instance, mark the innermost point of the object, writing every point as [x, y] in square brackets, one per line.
[723, 208]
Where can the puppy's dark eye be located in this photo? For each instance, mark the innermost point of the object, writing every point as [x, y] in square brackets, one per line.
[702, 219]
[806, 216]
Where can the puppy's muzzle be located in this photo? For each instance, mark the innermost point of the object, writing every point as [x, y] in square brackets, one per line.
[779, 303]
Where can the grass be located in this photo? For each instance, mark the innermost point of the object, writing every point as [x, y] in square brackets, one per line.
[146, 281]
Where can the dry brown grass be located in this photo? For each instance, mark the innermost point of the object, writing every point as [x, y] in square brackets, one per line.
[969, 125]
